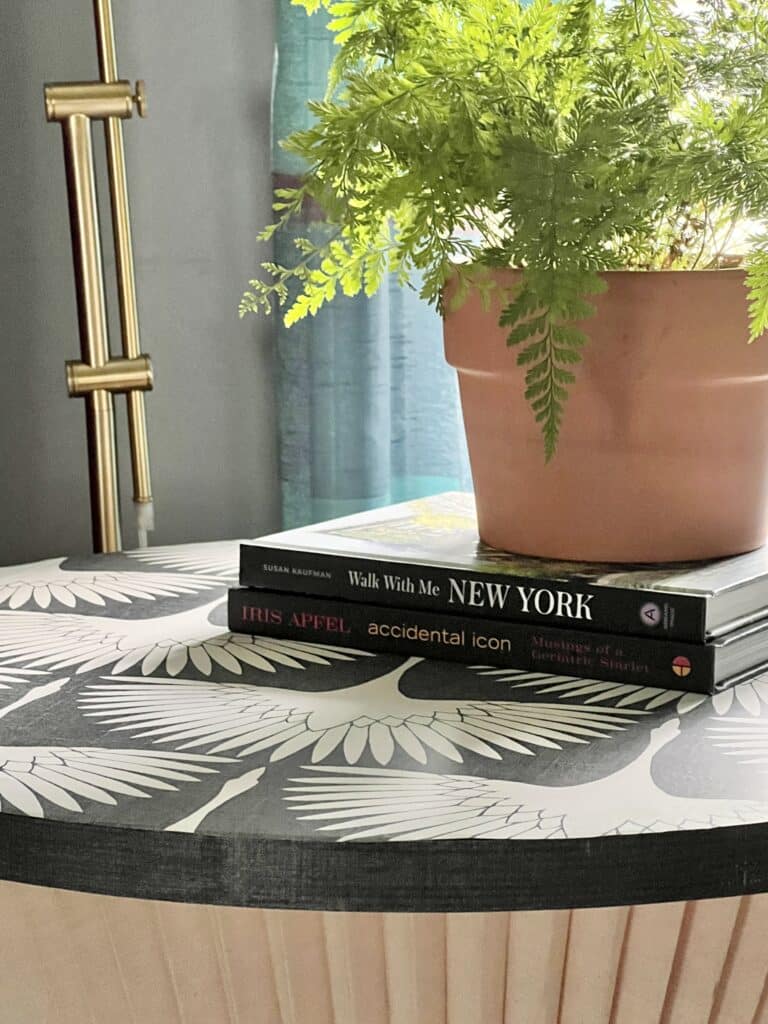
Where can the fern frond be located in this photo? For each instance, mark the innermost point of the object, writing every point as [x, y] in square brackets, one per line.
[562, 138]
[577, 25]
[757, 284]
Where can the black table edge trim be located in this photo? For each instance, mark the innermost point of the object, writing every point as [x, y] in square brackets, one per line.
[433, 876]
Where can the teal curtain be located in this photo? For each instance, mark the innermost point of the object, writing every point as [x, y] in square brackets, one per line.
[368, 407]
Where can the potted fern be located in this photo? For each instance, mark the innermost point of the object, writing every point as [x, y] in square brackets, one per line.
[580, 187]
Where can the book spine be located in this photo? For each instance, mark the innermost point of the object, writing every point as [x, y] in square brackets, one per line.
[562, 603]
[564, 652]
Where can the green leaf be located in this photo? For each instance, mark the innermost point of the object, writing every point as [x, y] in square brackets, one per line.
[757, 285]
[563, 376]
[568, 336]
[566, 355]
[526, 329]
[561, 139]
[532, 353]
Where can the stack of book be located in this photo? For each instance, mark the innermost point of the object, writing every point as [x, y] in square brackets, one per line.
[414, 579]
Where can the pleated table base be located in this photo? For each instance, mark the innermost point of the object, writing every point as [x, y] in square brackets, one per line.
[74, 958]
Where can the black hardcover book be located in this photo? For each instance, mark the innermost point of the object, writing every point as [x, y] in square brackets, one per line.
[647, 661]
[425, 554]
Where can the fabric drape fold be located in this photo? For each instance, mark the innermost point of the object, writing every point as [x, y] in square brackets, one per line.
[368, 408]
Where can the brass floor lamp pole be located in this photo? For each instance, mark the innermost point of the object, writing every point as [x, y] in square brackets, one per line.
[97, 376]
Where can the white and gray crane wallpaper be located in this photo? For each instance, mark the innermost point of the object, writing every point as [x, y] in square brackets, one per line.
[125, 700]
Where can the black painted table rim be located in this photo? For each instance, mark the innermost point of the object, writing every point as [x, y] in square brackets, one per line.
[442, 876]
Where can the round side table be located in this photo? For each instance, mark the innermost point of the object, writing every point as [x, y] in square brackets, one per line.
[202, 826]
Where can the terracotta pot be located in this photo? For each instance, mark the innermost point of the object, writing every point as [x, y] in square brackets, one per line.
[663, 454]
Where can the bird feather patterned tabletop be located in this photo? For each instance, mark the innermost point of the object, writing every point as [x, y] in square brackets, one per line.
[146, 750]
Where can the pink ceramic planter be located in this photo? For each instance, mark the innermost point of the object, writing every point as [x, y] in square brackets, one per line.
[663, 454]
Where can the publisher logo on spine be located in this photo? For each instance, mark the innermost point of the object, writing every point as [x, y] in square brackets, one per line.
[650, 614]
[681, 666]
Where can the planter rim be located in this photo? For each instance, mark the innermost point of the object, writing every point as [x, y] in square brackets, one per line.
[700, 272]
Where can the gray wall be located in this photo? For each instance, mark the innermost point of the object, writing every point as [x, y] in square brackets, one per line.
[199, 187]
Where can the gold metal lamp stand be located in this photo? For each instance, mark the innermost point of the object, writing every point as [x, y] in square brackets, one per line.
[97, 376]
